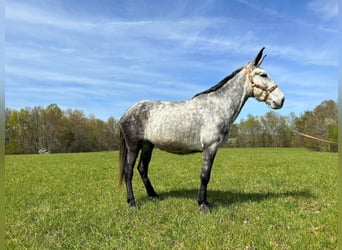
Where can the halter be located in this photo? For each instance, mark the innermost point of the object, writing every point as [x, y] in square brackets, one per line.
[258, 86]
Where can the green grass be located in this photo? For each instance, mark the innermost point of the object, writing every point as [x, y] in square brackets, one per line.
[261, 199]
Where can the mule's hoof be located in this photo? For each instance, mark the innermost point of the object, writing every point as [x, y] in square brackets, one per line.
[135, 207]
[205, 208]
[154, 196]
[152, 193]
[132, 204]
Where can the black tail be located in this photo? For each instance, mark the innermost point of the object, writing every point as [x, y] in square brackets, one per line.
[123, 156]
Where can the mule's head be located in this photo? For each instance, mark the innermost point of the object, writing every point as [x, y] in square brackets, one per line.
[261, 86]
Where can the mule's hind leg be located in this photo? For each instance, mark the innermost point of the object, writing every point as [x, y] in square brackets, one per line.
[130, 162]
[145, 157]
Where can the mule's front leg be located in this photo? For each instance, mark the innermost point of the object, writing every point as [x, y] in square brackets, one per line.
[208, 159]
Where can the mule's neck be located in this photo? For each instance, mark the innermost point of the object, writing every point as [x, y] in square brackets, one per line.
[232, 96]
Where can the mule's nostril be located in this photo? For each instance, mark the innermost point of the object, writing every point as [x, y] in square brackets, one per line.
[278, 104]
[282, 101]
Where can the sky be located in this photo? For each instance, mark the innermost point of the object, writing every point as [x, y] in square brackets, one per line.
[103, 56]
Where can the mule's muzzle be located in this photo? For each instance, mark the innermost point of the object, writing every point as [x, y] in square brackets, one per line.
[278, 104]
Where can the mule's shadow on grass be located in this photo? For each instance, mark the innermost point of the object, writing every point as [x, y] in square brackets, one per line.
[218, 198]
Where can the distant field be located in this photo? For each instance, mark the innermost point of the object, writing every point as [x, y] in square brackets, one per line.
[261, 199]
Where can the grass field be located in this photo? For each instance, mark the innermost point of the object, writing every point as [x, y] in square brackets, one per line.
[261, 199]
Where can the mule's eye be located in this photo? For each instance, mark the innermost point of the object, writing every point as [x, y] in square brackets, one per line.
[263, 75]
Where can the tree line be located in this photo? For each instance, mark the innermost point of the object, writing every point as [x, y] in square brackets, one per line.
[38, 129]
[274, 130]
[50, 129]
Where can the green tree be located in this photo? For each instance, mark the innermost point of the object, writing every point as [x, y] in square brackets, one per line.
[52, 118]
[11, 127]
[321, 123]
[249, 132]
[112, 134]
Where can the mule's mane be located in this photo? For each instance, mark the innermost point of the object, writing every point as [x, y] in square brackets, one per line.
[220, 84]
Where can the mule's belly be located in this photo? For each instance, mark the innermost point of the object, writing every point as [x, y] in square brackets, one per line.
[173, 141]
[177, 148]
[176, 144]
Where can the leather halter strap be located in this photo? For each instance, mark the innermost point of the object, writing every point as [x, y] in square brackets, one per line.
[267, 91]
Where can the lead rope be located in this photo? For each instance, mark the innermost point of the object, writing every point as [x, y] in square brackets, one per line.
[305, 135]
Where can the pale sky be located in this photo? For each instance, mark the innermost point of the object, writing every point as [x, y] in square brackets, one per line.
[103, 56]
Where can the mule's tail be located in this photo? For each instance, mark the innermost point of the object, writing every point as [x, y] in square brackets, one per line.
[123, 157]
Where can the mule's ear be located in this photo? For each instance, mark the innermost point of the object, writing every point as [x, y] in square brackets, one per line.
[258, 59]
[262, 59]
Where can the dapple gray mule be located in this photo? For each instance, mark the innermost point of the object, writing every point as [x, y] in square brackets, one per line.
[200, 124]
